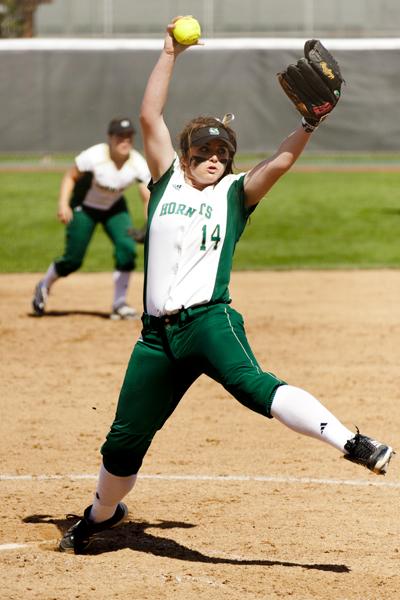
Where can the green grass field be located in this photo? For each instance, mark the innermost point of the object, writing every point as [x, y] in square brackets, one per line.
[309, 220]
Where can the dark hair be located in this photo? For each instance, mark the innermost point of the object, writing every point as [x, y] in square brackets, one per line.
[200, 122]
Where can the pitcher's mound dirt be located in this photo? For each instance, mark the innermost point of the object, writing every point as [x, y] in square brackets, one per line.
[242, 508]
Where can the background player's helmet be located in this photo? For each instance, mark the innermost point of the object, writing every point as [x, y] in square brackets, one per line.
[121, 126]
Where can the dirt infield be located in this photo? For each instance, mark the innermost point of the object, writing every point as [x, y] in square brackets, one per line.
[229, 505]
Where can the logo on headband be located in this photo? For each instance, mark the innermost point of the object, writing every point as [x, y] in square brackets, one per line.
[213, 130]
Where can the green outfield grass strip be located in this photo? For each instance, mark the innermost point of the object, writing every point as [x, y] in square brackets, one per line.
[310, 220]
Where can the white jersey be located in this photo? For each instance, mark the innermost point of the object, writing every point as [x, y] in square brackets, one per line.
[109, 182]
[191, 240]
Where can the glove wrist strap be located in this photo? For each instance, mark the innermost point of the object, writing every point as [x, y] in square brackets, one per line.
[308, 128]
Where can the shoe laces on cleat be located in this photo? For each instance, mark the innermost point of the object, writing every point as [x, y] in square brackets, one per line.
[368, 452]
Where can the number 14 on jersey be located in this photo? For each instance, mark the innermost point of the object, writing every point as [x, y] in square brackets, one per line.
[215, 237]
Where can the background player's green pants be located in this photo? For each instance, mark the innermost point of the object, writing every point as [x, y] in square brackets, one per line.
[166, 361]
[80, 230]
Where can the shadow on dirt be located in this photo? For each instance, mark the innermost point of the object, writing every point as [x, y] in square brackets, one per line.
[71, 313]
[135, 536]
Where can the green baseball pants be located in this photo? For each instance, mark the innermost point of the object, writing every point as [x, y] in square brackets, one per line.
[170, 355]
[80, 230]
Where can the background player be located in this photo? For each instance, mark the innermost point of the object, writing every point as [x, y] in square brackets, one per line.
[91, 192]
[197, 212]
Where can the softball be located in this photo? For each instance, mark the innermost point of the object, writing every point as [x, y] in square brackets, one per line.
[187, 30]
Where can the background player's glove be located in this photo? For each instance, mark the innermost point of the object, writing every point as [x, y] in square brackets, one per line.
[139, 234]
[313, 84]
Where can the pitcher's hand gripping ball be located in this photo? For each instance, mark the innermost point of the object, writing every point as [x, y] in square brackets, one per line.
[314, 83]
[187, 30]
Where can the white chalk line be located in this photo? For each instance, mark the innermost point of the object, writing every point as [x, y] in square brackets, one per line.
[9, 547]
[216, 478]
[12, 546]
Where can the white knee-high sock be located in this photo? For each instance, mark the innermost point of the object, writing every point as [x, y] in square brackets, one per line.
[50, 277]
[110, 490]
[121, 283]
[303, 413]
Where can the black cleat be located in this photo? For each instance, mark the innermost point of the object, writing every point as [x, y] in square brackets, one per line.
[39, 299]
[79, 536]
[369, 453]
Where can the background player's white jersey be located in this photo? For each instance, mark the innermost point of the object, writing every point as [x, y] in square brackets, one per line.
[109, 182]
[191, 239]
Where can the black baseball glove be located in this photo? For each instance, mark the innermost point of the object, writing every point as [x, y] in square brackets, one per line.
[138, 234]
[314, 83]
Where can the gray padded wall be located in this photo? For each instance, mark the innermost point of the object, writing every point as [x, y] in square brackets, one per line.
[62, 100]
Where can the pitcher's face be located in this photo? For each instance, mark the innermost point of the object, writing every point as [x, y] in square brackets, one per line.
[206, 164]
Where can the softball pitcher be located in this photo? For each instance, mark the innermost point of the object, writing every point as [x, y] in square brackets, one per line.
[92, 192]
[197, 212]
